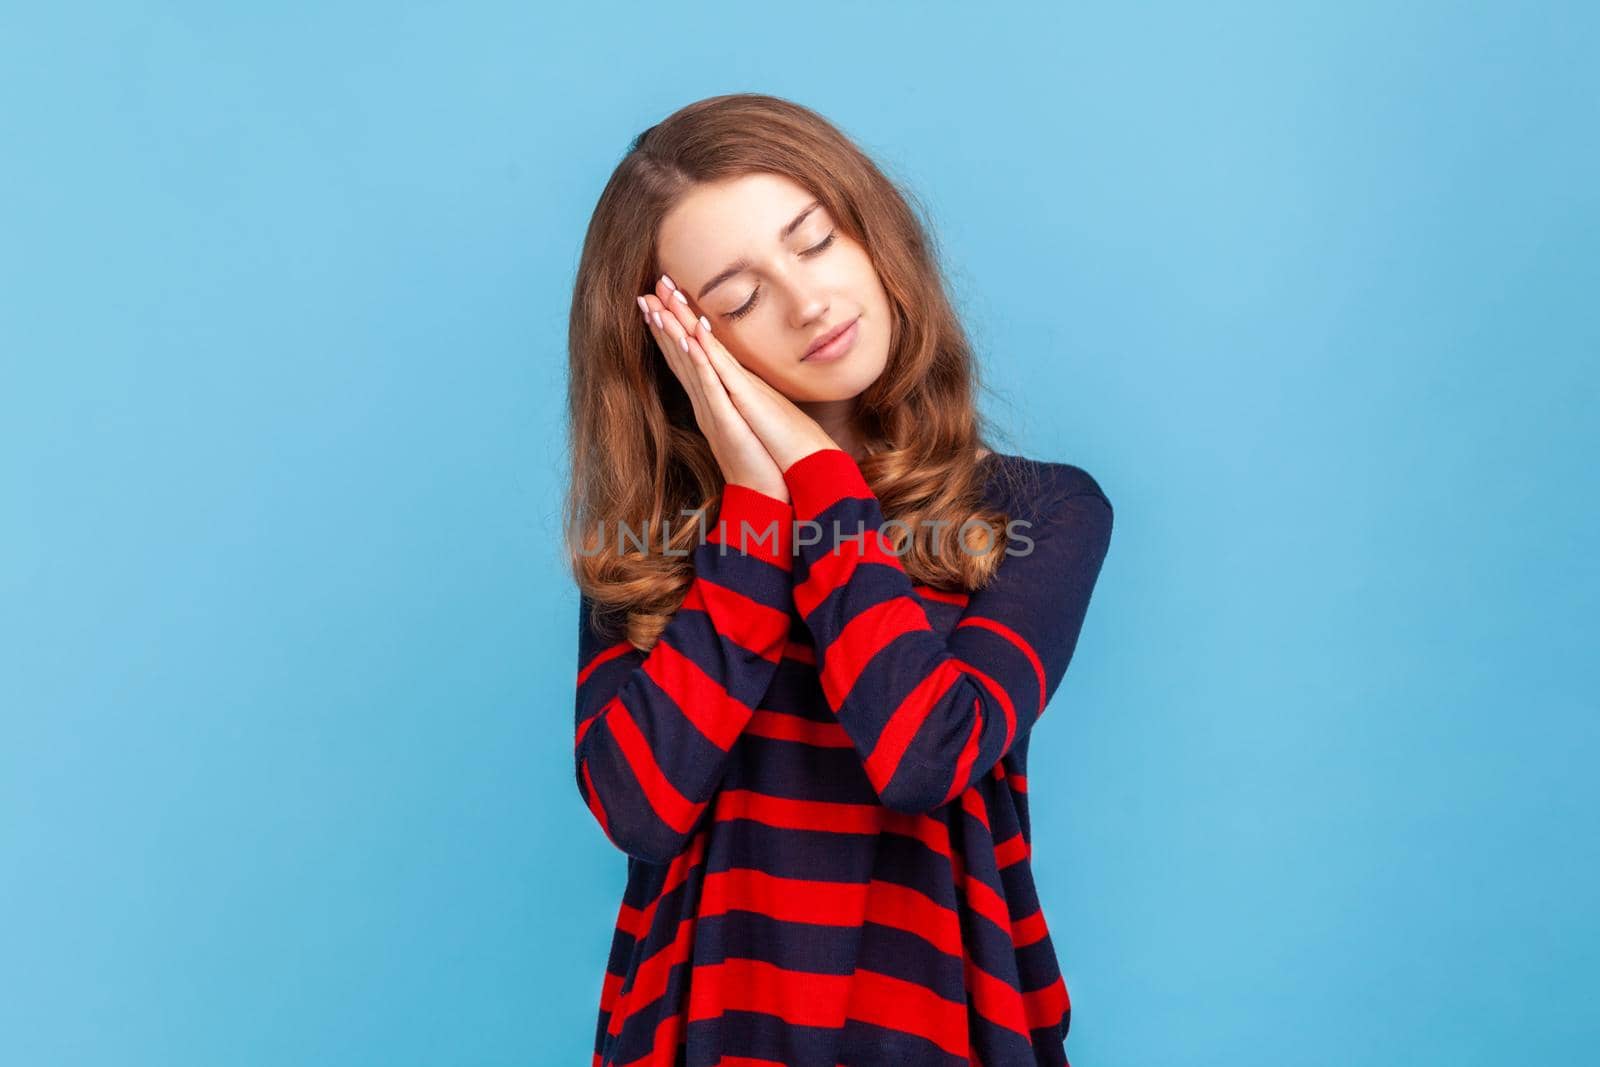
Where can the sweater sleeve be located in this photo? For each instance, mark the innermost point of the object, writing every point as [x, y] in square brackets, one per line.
[929, 715]
[654, 731]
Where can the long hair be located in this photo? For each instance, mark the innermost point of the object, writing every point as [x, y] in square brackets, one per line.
[638, 459]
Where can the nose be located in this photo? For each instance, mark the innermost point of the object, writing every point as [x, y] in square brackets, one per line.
[807, 303]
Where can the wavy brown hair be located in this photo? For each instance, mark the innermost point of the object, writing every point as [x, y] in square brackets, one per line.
[638, 458]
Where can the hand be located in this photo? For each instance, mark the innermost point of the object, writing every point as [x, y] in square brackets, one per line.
[788, 433]
[739, 452]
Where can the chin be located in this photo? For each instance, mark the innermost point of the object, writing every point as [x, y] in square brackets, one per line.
[842, 381]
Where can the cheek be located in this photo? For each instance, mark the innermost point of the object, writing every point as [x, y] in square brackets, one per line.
[767, 370]
[746, 352]
[862, 269]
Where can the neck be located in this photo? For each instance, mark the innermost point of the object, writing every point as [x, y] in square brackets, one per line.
[837, 419]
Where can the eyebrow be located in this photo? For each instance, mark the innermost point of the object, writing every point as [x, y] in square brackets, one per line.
[742, 264]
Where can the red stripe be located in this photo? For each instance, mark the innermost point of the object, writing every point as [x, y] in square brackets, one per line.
[783, 727]
[995, 1000]
[797, 997]
[629, 921]
[1013, 849]
[755, 524]
[677, 873]
[905, 721]
[1046, 1007]
[761, 628]
[650, 977]
[1028, 929]
[670, 806]
[700, 697]
[800, 653]
[1016, 639]
[840, 558]
[803, 998]
[862, 638]
[904, 908]
[830, 817]
[796, 900]
[972, 803]
[1001, 696]
[844, 904]
[982, 898]
[593, 800]
[934, 835]
[664, 1044]
[969, 753]
[609, 988]
[583, 728]
[786, 813]
[818, 481]
[896, 1004]
[841, 904]
[621, 648]
[928, 592]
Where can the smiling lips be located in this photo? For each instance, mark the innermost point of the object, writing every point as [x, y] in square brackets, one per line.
[832, 345]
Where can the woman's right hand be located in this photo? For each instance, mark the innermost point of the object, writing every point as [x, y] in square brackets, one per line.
[739, 452]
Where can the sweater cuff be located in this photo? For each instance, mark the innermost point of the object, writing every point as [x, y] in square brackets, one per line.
[823, 478]
[755, 524]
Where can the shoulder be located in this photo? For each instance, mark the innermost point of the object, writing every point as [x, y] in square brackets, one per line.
[1044, 488]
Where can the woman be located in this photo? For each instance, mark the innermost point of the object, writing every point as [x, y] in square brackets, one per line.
[807, 725]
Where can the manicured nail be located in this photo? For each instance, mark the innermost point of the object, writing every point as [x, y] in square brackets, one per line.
[705, 324]
[657, 316]
[668, 281]
[679, 294]
[683, 343]
[644, 307]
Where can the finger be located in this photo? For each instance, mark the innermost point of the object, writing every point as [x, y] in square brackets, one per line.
[671, 324]
[652, 322]
[655, 311]
[735, 376]
[679, 360]
[714, 348]
[718, 403]
[676, 301]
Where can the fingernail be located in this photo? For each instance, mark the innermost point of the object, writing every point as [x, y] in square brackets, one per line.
[679, 294]
[643, 306]
[657, 316]
[705, 324]
[683, 343]
[668, 281]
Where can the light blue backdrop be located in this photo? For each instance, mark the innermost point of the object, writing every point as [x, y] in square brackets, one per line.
[285, 755]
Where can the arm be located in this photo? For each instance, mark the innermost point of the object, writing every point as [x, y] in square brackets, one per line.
[930, 716]
[654, 731]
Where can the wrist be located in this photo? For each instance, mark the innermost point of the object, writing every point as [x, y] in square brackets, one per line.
[753, 523]
[820, 478]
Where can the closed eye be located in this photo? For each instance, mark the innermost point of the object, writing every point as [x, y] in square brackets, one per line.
[814, 250]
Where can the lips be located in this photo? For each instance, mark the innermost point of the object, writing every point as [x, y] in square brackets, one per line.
[829, 336]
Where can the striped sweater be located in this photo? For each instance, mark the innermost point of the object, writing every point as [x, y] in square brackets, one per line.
[819, 775]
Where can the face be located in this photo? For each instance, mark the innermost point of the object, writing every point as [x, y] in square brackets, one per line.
[767, 264]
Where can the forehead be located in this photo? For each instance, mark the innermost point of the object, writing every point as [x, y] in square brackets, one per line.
[718, 221]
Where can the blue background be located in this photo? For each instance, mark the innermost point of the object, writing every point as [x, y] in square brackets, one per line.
[288, 647]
